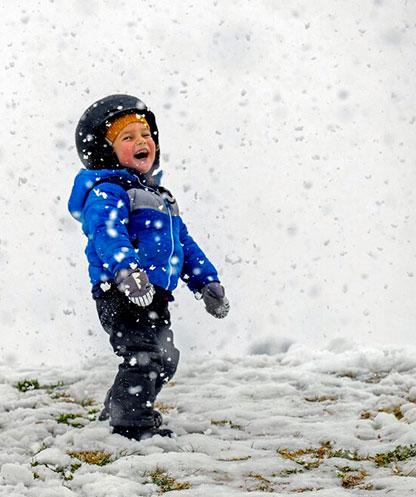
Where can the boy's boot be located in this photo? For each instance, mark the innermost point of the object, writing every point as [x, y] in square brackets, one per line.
[138, 434]
[105, 413]
[157, 416]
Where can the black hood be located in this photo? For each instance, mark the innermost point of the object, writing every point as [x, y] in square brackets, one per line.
[93, 149]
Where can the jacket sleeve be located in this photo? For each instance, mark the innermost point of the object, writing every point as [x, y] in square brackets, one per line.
[104, 220]
[197, 270]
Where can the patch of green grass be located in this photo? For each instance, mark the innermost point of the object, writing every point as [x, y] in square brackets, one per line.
[224, 422]
[346, 469]
[26, 385]
[92, 414]
[53, 386]
[67, 474]
[308, 465]
[66, 397]
[346, 454]
[67, 418]
[55, 391]
[75, 466]
[63, 396]
[96, 457]
[311, 457]
[262, 483]
[400, 453]
[315, 455]
[33, 384]
[166, 483]
[287, 472]
[352, 478]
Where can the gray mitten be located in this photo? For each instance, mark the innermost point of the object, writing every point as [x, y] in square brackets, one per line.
[216, 303]
[135, 285]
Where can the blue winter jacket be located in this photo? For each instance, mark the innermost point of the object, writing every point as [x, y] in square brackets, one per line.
[129, 223]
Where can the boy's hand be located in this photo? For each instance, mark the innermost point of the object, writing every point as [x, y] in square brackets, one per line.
[135, 285]
[216, 303]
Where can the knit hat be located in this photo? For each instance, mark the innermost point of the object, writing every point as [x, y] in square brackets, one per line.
[115, 127]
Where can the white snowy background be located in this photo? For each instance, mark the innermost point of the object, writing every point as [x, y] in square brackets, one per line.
[287, 134]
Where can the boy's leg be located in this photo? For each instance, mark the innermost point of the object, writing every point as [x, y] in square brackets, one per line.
[169, 356]
[143, 338]
[170, 359]
[133, 395]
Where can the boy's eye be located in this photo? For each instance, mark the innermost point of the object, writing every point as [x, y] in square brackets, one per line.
[127, 137]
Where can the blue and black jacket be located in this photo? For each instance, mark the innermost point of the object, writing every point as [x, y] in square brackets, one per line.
[130, 223]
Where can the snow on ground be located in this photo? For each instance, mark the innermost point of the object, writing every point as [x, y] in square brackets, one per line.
[324, 422]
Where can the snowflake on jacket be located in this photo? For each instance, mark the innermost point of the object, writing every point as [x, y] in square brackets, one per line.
[131, 224]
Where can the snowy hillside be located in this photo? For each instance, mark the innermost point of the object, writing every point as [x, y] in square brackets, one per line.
[332, 423]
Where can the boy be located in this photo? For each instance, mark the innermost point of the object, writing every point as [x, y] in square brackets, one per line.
[138, 247]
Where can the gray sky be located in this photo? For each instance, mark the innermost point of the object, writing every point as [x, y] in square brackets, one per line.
[287, 136]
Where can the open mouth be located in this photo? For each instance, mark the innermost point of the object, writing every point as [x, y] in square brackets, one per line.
[141, 154]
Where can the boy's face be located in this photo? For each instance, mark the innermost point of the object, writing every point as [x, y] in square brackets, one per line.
[135, 148]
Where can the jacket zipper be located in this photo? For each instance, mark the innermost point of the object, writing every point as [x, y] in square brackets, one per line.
[173, 245]
[171, 230]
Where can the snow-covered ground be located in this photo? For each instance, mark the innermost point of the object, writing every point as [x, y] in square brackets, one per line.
[324, 423]
[287, 137]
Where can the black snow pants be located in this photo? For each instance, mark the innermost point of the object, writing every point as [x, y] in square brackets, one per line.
[143, 338]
